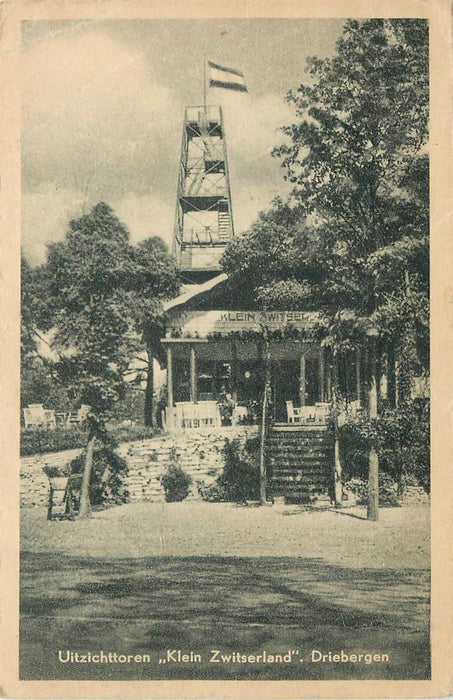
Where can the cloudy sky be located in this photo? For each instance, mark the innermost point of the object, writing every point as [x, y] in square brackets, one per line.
[102, 110]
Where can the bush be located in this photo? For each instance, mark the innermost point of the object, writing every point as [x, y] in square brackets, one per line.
[37, 441]
[176, 484]
[402, 439]
[107, 478]
[55, 472]
[240, 478]
[388, 490]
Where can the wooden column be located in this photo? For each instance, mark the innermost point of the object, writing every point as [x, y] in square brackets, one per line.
[358, 378]
[321, 375]
[234, 371]
[169, 387]
[329, 376]
[193, 375]
[302, 380]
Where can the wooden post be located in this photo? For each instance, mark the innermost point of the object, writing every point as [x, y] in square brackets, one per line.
[169, 387]
[302, 380]
[329, 377]
[373, 459]
[358, 379]
[321, 375]
[193, 374]
[85, 502]
[234, 371]
[264, 421]
[149, 411]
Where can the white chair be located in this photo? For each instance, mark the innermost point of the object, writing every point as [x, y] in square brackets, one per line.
[36, 416]
[294, 415]
[50, 419]
[77, 417]
[240, 413]
[322, 412]
[83, 412]
[32, 418]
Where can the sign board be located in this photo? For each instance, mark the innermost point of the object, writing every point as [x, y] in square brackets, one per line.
[203, 323]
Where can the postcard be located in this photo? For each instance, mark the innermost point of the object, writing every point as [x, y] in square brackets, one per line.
[226, 349]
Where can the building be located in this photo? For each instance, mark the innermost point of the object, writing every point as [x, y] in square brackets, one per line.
[214, 349]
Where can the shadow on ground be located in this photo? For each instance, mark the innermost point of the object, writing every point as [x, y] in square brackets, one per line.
[149, 605]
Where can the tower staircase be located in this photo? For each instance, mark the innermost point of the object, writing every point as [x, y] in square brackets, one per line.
[299, 463]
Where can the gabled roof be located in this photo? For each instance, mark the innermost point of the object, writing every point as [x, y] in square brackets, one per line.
[194, 291]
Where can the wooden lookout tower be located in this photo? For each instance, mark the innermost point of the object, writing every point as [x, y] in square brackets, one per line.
[203, 221]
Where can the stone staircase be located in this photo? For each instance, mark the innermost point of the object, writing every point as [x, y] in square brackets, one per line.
[300, 464]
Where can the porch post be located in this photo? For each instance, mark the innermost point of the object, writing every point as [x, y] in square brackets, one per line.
[234, 371]
[321, 375]
[358, 378]
[329, 376]
[302, 380]
[169, 387]
[193, 374]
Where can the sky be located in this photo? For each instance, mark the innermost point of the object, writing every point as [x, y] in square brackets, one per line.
[102, 114]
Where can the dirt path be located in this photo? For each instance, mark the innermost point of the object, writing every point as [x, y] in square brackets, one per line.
[399, 539]
[149, 578]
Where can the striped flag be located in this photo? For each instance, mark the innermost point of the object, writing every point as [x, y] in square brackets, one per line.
[228, 78]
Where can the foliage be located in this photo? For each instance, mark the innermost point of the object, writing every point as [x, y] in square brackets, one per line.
[353, 240]
[104, 297]
[388, 490]
[40, 441]
[176, 483]
[357, 159]
[107, 483]
[53, 471]
[39, 384]
[402, 439]
[240, 478]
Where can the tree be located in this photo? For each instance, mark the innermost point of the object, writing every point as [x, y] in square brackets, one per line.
[39, 379]
[105, 295]
[353, 242]
[357, 160]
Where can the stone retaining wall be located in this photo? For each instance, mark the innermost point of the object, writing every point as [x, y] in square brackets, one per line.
[198, 453]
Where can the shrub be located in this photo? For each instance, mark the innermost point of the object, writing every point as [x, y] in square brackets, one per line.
[37, 441]
[54, 471]
[402, 439]
[176, 483]
[388, 490]
[107, 477]
[240, 478]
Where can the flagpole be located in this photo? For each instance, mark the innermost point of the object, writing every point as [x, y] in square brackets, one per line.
[204, 82]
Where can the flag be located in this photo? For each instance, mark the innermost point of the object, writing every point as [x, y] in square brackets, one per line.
[228, 78]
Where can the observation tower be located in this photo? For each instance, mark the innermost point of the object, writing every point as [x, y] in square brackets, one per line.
[204, 219]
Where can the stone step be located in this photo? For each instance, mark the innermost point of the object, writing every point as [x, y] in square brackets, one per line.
[321, 440]
[308, 456]
[300, 448]
[300, 478]
[290, 473]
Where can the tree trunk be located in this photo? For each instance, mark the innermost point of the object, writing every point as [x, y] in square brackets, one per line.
[338, 484]
[373, 485]
[264, 423]
[149, 413]
[373, 459]
[391, 375]
[85, 503]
